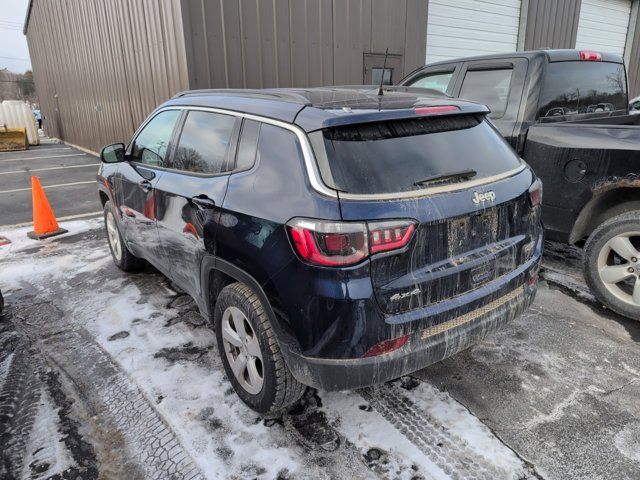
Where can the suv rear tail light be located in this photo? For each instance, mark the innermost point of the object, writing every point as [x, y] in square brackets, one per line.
[590, 56]
[436, 110]
[329, 243]
[338, 244]
[535, 193]
[389, 235]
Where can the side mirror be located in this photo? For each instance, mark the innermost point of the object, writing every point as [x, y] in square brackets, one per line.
[113, 153]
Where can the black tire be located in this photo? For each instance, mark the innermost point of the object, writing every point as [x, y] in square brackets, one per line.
[279, 389]
[616, 226]
[126, 261]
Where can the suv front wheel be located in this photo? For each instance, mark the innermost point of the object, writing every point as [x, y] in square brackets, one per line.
[612, 264]
[122, 257]
[250, 353]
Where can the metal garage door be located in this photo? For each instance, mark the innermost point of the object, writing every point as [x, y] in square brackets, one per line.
[603, 25]
[462, 28]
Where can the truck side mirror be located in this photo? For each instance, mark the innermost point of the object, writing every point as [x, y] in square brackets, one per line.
[113, 153]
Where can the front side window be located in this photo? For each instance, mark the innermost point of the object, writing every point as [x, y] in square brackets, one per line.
[151, 145]
[435, 81]
[489, 87]
[204, 144]
[573, 88]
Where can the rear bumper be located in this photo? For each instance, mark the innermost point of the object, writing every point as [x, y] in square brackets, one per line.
[423, 348]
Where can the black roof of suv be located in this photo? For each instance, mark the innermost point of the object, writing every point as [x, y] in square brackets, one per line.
[322, 107]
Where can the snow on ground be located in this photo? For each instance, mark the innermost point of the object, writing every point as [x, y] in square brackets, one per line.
[20, 240]
[46, 444]
[154, 334]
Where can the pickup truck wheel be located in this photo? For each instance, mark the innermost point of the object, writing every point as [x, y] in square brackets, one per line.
[250, 353]
[122, 257]
[612, 264]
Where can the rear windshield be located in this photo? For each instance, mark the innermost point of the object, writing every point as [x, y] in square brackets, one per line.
[573, 88]
[396, 156]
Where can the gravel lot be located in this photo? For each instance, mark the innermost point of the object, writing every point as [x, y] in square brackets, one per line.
[110, 375]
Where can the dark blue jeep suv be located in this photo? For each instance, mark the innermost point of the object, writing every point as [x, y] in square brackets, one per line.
[334, 237]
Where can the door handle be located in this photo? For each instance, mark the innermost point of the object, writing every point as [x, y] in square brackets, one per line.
[203, 202]
[145, 185]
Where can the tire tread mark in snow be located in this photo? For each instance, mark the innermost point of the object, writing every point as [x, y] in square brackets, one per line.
[19, 398]
[448, 451]
[123, 406]
[132, 423]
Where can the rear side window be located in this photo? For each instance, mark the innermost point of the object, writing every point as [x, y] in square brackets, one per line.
[573, 88]
[204, 143]
[275, 143]
[248, 145]
[397, 156]
[436, 81]
[489, 87]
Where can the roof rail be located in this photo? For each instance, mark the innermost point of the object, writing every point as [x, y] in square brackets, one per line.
[266, 94]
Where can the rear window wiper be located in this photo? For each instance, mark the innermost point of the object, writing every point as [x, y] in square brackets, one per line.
[447, 177]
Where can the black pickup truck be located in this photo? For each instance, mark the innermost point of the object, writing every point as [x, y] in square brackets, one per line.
[565, 112]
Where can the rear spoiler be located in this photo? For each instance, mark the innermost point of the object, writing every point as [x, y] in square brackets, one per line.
[421, 109]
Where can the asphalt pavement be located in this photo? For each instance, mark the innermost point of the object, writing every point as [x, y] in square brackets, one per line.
[125, 375]
[68, 176]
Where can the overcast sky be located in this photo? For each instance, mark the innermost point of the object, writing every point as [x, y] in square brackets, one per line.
[14, 53]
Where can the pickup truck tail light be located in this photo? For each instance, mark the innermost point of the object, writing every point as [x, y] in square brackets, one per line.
[339, 244]
[535, 193]
[590, 56]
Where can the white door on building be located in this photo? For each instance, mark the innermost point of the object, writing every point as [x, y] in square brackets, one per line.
[463, 28]
[603, 25]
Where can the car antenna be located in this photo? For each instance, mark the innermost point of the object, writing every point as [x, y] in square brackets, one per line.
[384, 68]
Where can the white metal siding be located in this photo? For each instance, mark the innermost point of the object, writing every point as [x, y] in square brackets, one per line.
[463, 28]
[603, 25]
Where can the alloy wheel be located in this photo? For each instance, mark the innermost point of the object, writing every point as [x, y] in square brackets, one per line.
[619, 267]
[113, 236]
[242, 350]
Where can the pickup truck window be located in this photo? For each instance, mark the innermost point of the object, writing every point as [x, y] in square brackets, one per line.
[395, 156]
[489, 87]
[572, 88]
[436, 81]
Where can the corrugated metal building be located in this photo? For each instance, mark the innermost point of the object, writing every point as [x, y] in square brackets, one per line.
[101, 66]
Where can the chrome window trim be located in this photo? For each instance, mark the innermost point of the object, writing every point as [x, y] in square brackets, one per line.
[312, 167]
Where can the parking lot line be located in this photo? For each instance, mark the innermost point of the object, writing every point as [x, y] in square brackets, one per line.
[45, 157]
[48, 186]
[77, 216]
[50, 168]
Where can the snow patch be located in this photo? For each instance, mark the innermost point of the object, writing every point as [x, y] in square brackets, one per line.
[628, 441]
[20, 241]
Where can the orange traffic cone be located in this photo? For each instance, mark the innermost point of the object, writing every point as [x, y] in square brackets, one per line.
[45, 224]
